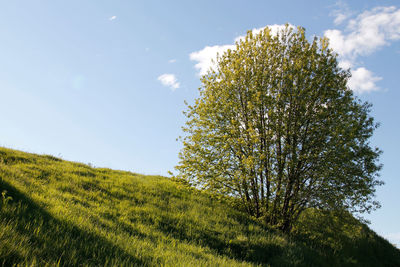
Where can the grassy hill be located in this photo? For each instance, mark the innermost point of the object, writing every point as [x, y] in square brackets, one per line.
[55, 212]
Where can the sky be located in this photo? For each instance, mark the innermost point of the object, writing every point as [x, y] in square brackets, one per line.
[104, 82]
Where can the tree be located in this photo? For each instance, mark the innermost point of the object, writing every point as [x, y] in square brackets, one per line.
[277, 127]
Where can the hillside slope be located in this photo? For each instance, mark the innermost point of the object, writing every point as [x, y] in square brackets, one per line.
[55, 212]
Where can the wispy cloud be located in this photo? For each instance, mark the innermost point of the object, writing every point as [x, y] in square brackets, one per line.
[112, 18]
[365, 34]
[172, 60]
[169, 80]
[341, 12]
[206, 57]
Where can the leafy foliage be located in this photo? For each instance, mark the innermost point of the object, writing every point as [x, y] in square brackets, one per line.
[276, 126]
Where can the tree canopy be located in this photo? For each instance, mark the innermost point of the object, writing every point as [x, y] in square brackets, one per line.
[277, 127]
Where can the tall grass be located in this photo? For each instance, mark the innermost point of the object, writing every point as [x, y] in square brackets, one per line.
[60, 213]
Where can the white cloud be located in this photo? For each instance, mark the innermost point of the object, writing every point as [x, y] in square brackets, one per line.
[208, 54]
[169, 80]
[363, 80]
[172, 60]
[341, 13]
[112, 17]
[345, 64]
[275, 28]
[365, 34]
[368, 32]
[340, 17]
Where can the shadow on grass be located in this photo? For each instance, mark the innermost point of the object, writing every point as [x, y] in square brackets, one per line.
[338, 239]
[325, 240]
[235, 249]
[49, 240]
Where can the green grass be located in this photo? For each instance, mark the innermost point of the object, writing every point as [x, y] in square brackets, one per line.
[60, 213]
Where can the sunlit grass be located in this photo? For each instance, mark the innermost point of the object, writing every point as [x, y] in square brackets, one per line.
[70, 214]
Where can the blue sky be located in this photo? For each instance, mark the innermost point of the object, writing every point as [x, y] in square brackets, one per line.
[104, 82]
